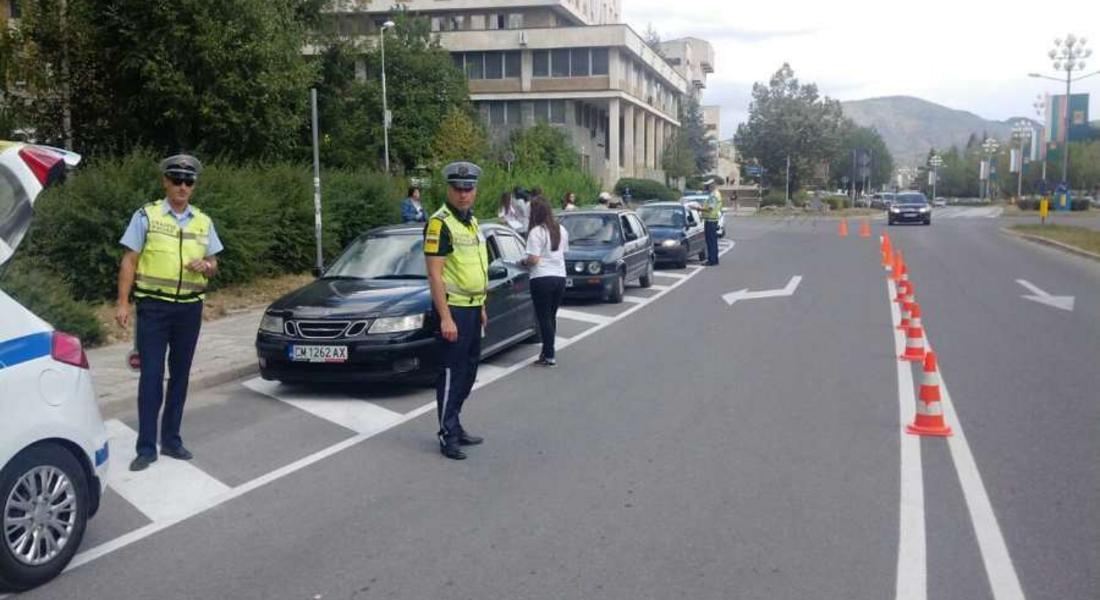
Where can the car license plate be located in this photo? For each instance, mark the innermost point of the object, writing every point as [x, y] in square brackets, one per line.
[319, 354]
[910, 215]
[568, 282]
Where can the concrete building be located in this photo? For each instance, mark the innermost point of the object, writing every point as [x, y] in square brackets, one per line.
[570, 63]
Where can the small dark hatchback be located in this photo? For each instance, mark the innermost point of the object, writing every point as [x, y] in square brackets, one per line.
[607, 249]
[370, 316]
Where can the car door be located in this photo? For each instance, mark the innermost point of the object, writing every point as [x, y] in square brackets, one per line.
[646, 240]
[695, 234]
[521, 310]
[497, 299]
[632, 244]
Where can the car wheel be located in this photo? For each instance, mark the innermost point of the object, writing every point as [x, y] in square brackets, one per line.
[618, 289]
[45, 499]
[683, 262]
[647, 279]
[928, 221]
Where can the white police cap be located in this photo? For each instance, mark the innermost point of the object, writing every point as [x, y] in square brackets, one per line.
[462, 175]
[181, 165]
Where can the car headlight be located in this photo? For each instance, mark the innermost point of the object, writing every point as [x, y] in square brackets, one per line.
[397, 324]
[925, 208]
[895, 209]
[595, 267]
[670, 243]
[578, 267]
[271, 324]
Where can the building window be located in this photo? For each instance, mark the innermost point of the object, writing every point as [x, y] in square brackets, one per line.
[541, 67]
[496, 21]
[557, 111]
[496, 113]
[579, 63]
[559, 63]
[674, 62]
[477, 22]
[512, 113]
[494, 65]
[511, 64]
[515, 21]
[599, 61]
[542, 111]
[437, 23]
[456, 22]
[578, 114]
[460, 61]
[474, 66]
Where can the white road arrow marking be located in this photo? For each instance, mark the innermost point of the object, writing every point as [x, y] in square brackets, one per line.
[1063, 302]
[745, 294]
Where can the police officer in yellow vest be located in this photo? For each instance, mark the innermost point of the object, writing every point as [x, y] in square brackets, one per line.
[458, 264]
[712, 211]
[170, 249]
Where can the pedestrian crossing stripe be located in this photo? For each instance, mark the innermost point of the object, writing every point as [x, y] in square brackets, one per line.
[356, 414]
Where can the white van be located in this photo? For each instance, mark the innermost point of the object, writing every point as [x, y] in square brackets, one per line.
[53, 444]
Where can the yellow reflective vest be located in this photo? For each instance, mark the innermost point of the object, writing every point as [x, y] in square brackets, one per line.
[466, 270]
[168, 248]
[713, 207]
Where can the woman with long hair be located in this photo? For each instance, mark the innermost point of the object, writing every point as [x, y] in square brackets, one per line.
[547, 242]
[570, 201]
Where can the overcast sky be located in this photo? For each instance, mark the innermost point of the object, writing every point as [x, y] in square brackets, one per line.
[970, 55]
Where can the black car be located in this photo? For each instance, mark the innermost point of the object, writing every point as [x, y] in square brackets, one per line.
[909, 207]
[677, 232]
[370, 316]
[607, 249]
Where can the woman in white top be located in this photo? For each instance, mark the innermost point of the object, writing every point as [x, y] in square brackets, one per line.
[513, 211]
[547, 242]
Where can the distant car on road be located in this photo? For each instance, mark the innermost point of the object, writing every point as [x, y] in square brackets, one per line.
[882, 200]
[607, 249]
[939, 201]
[677, 232]
[370, 316]
[910, 207]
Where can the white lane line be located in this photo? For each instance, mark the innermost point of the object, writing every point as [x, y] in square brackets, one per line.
[167, 489]
[635, 299]
[355, 414]
[577, 315]
[141, 533]
[658, 287]
[672, 275]
[1003, 580]
[912, 546]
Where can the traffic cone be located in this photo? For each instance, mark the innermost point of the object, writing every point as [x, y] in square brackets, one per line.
[904, 279]
[887, 253]
[904, 316]
[899, 264]
[914, 341]
[914, 318]
[864, 228]
[844, 228]
[905, 288]
[929, 417]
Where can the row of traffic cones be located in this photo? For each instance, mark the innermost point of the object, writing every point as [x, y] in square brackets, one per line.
[929, 417]
[864, 228]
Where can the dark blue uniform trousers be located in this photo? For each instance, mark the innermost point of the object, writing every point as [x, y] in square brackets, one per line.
[459, 360]
[171, 327]
[710, 230]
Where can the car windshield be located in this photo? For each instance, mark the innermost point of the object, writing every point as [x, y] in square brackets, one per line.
[382, 257]
[662, 216]
[591, 229]
[911, 199]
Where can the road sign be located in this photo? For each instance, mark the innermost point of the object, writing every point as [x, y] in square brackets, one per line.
[754, 170]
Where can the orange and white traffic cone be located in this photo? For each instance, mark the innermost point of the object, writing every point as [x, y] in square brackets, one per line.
[887, 252]
[843, 228]
[904, 316]
[914, 318]
[905, 289]
[864, 228]
[929, 418]
[914, 340]
[899, 264]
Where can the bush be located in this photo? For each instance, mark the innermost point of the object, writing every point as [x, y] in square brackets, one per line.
[646, 189]
[773, 199]
[35, 286]
[1078, 205]
[837, 202]
[1028, 204]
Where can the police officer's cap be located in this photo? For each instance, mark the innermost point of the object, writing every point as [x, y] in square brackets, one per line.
[462, 175]
[181, 165]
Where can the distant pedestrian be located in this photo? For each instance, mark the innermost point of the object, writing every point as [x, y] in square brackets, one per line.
[411, 209]
[604, 199]
[513, 212]
[170, 255]
[712, 212]
[547, 243]
[570, 201]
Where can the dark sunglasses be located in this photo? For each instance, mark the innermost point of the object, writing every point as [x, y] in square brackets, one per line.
[187, 181]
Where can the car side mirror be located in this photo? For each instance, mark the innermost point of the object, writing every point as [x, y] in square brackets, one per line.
[498, 271]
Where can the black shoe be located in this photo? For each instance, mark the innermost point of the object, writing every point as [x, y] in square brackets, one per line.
[546, 362]
[180, 453]
[452, 452]
[465, 439]
[142, 462]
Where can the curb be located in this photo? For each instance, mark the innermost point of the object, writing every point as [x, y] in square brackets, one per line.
[1052, 243]
[111, 403]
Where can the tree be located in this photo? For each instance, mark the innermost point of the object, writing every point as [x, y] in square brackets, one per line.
[544, 147]
[653, 39]
[694, 132]
[854, 141]
[222, 78]
[678, 160]
[787, 118]
[459, 137]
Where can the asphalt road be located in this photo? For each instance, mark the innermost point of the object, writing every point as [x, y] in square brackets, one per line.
[684, 448]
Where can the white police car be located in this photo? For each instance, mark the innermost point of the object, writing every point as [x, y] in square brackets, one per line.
[53, 444]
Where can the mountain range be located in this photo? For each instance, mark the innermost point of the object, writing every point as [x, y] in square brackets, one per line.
[910, 126]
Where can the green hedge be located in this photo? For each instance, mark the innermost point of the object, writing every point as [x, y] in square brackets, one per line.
[34, 285]
[646, 189]
[496, 180]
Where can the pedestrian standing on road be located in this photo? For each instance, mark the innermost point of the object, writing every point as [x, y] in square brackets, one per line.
[170, 255]
[411, 209]
[712, 211]
[547, 243]
[513, 212]
[569, 203]
[458, 275]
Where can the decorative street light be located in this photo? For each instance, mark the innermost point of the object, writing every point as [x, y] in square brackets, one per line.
[1021, 131]
[387, 118]
[1067, 55]
[936, 161]
[989, 148]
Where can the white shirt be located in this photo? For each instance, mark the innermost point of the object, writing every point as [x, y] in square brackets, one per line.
[551, 262]
[516, 217]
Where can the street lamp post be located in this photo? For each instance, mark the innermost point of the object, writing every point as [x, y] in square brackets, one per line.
[1067, 55]
[386, 117]
[1020, 131]
[989, 147]
[936, 161]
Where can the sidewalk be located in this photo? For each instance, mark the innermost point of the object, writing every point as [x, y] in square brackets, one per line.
[226, 351]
